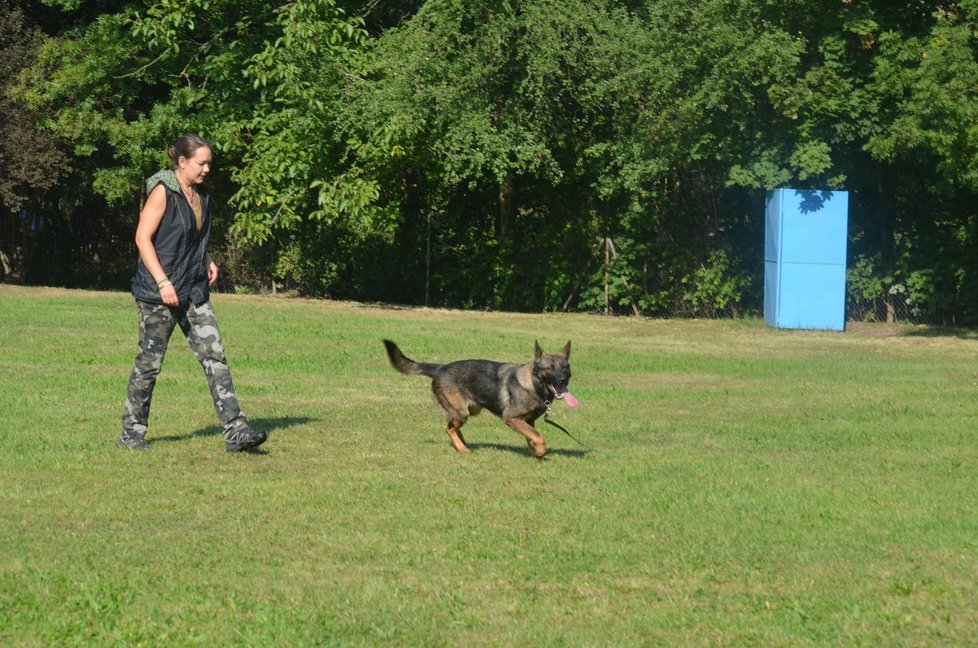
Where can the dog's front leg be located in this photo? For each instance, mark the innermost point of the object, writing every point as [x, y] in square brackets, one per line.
[534, 440]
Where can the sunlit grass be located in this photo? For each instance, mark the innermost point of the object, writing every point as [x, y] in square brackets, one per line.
[741, 485]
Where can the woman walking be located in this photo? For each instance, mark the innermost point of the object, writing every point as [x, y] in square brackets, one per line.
[171, 289]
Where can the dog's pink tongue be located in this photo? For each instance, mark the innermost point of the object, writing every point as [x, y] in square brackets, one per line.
[570, 400]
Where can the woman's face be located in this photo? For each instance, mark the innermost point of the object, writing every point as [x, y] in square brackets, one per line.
[197, 166]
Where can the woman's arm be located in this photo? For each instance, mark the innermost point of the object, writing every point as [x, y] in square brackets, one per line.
[149, 221]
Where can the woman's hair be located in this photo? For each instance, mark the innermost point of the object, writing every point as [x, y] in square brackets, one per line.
[186, 146]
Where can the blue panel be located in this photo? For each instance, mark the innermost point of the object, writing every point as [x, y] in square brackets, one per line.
[771, 291]
[805, 258]
[814, 226]
[772, 220]
[812, 296]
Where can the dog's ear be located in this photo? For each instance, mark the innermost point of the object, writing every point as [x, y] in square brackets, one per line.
[537, 351]
[566, 350]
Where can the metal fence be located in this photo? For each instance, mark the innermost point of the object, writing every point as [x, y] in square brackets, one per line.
[895, 309]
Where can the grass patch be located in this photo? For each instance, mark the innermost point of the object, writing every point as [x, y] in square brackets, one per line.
[748, 486]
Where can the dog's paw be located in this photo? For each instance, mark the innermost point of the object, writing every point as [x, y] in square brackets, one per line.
[537, 448]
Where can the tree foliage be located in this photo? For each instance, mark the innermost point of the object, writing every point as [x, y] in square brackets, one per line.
[492, 154]
[38, 218]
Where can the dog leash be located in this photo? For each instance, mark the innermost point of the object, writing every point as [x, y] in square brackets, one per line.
[548, 421]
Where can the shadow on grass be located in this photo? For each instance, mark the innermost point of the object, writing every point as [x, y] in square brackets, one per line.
[524, 451]
[266, 425]
[880, 330]
[941, 332]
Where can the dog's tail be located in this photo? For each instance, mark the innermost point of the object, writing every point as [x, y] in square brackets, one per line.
[406, 365]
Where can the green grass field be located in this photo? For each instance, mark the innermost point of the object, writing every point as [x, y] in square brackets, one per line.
[743, 486]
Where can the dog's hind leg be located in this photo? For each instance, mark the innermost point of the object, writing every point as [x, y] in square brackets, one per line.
[534, 440]
[455, 406]
[455, 434]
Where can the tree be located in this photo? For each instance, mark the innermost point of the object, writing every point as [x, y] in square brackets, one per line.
[890, 95]
[489, 150]
[34, 164]
[253, 77]
[471, 115]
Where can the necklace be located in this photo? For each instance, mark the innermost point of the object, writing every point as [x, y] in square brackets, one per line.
[189, 194]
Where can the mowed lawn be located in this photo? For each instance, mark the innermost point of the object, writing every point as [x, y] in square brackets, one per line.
[741, 485]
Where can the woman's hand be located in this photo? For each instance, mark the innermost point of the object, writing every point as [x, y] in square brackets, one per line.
[212, 273]
[169, 295]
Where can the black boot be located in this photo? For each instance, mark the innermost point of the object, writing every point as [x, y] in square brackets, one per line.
[243, 439]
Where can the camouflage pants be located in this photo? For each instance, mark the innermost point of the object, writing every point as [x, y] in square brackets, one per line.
[156, 324]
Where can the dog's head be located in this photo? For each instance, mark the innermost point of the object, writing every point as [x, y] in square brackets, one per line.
[553, 369]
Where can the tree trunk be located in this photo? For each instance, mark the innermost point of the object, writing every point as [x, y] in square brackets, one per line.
[507, 207]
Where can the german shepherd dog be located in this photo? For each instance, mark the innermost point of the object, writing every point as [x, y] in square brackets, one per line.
[518, 394]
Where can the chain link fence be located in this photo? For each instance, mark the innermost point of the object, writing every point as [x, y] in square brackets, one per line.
[896, 307]
[242, 272]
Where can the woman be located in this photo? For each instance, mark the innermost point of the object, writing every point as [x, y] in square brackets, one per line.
[171, 289]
